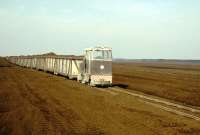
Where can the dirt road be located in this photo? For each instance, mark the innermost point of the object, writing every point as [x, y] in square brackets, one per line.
[33, 102]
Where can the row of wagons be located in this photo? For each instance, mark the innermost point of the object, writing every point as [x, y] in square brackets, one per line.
[69, 66]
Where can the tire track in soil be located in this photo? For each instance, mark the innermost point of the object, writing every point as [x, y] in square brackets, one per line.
[9, 102]
[164, 105]
[49, 120]
[57, 119]
[4, 109]
[44, 124]
[90, 129]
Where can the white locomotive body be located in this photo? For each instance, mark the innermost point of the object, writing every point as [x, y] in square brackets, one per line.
[97, 66]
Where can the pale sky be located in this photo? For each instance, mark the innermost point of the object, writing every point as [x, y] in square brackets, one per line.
[142, 29]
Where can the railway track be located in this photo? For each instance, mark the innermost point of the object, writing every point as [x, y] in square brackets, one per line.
[182, 110]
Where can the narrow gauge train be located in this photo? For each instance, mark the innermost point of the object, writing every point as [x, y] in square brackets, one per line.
[94, 68]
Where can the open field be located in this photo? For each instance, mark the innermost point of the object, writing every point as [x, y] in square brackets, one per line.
[179, 82]
[34, 102]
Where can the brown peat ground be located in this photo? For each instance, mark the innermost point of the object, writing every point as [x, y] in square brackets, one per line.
[179, 82]
[38, 103]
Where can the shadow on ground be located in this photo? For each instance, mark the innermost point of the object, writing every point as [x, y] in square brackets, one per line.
[124, 86]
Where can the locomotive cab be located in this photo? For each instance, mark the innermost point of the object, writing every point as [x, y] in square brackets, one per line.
[97, 67]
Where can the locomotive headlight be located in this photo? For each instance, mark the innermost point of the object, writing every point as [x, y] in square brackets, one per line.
[102, 67]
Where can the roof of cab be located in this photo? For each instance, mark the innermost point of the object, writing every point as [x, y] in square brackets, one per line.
[99, 49]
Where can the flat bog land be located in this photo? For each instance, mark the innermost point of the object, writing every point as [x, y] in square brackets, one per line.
[38, 103]
[176, 81]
